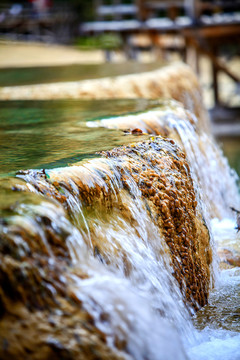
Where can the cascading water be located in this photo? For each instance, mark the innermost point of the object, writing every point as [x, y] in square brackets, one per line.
[209, 168]
[148, 301]
[134, 249]
[218, 192]
[94, 241]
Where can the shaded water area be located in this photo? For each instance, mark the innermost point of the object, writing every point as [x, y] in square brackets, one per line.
[125, 241]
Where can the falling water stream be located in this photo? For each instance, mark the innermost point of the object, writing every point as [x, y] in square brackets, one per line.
[129, 288]
[219, 336]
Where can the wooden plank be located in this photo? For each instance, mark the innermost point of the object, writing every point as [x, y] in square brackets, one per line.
[161, 4]
[105, 10]
[224, 4]
[130, 26]
[192, 9]
[215, 78]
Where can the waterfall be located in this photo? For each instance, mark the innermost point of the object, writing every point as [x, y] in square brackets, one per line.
[128, 299]
[209, 168]
[110, 257]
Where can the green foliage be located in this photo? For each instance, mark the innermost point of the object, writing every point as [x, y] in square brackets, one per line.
[104, 41]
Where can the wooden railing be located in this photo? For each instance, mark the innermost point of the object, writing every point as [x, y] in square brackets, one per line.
[53, 25]
[203, 26]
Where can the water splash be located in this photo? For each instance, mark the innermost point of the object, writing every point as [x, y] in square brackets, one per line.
[120, 227]
[210, 170]
[125, 309]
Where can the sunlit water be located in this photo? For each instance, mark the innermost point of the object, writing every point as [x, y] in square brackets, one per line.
[46, 134]
[145, 306]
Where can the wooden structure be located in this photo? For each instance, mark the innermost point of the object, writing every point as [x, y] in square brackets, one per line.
[203, 26]
[25, 23]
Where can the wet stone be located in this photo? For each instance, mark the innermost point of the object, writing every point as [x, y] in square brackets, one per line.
[37, 271]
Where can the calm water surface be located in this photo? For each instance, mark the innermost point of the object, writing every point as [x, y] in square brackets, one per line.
[46, 134]
[48, 74]
[37, 134]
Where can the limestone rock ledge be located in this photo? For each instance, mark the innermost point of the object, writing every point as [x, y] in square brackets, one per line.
[41, 236]
[176, 81]
[159, 169]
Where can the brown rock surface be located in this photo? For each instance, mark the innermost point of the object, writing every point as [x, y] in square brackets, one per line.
[163, 176]
[40, 315]
[160, 171]
[210, 170]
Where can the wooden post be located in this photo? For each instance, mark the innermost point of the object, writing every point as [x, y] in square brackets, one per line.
[192, 54]
[192, 8]
[97, 4]
[142, 13]
[215, 78]
[117, 16]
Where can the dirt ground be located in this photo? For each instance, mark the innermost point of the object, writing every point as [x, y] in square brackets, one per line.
[22, 54]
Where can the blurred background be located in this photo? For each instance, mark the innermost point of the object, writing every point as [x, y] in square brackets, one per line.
[204, 34]
[45, 41]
